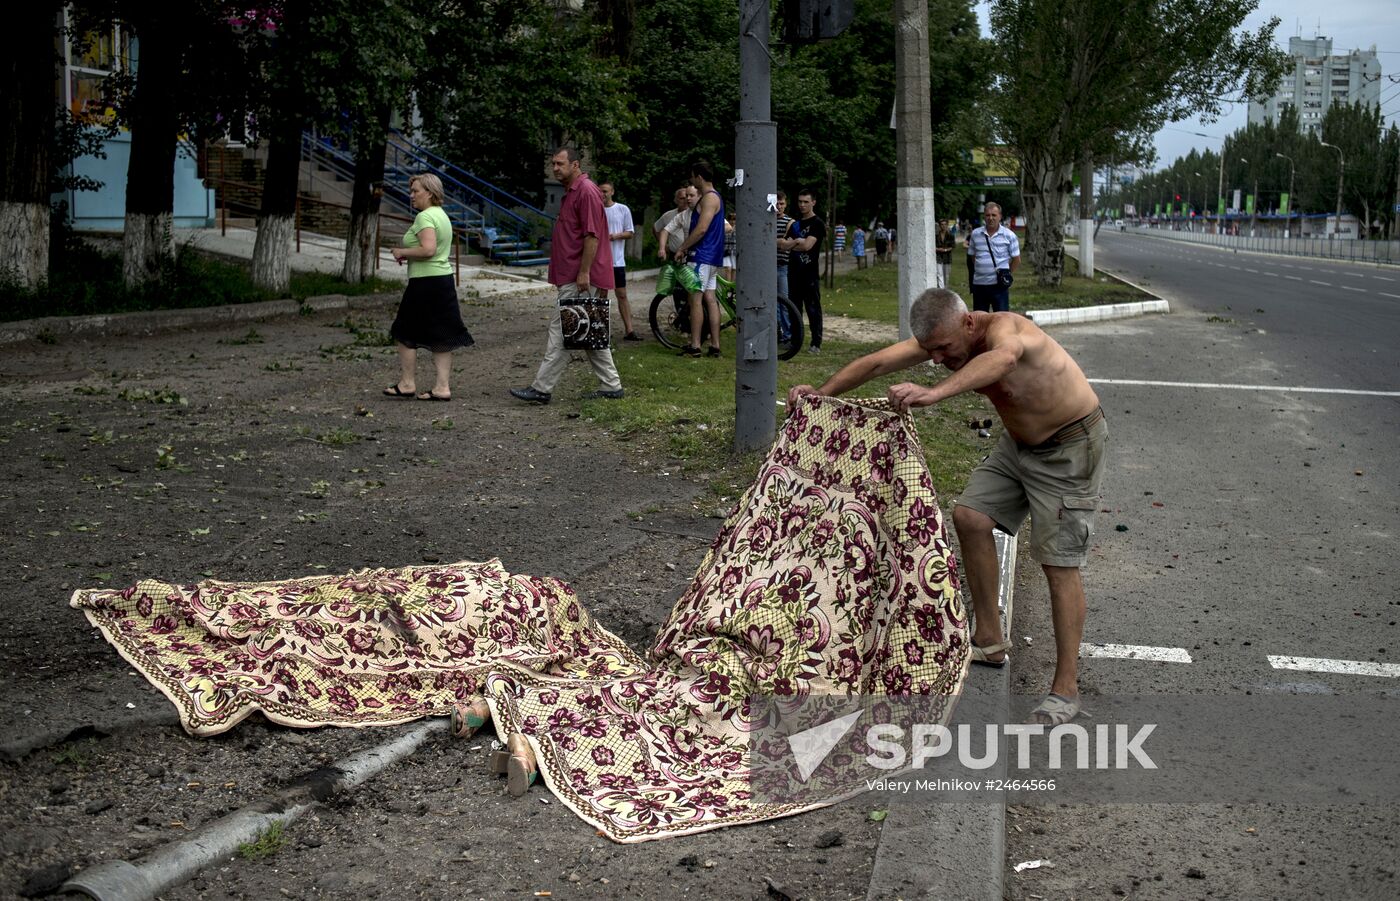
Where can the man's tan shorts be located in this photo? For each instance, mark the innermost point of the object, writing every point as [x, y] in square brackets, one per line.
[1058, 484]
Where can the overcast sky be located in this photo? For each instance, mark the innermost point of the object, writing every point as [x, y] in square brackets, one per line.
[1351, 24]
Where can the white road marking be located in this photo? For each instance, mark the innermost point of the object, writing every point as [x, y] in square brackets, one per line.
[1345, 667]
[1293, 277]
[1383, 294]
[1135, 652]
[1350, 288]
[1323, 284]
[1255, 271]
[1271, 274]
[1294, 388]
[1353, 274]
[1383, 278]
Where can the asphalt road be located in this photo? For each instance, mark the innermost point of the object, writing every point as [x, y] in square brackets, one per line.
[1238, 524]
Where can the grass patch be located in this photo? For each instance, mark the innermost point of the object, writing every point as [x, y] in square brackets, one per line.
[339, 436]
[873, 293]
[75, 753]
[87, 280]
[269, 842]
[683, 409]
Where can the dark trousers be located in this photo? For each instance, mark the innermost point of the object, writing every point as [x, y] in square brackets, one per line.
[806, 293]
[991, 298]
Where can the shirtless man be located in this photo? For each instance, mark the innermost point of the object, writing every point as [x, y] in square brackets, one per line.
[1049, 461]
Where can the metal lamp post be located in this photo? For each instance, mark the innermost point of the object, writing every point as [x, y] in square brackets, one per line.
[1220, 193]
[1287, 227]
[1254, 202]
[1341, 167]
[1191, 206]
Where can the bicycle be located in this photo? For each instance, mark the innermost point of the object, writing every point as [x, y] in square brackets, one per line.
[670, 318]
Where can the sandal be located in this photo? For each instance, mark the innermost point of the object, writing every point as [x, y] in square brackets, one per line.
[393, 391]
[428, 395]
[1056, 710]
[467, 718]
[980, 652]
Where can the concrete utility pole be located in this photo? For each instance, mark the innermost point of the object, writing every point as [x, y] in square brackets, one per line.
[756, 155]
[1086, 217]
[914, 161]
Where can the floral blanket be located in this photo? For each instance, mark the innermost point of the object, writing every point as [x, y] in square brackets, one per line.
[833, 577]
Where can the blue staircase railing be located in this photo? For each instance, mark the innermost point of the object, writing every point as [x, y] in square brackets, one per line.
[507, 234]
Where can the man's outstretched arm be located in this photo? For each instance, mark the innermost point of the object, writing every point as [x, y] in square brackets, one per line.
[856, 373]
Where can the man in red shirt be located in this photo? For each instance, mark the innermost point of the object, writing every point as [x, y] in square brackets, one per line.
[576, 267]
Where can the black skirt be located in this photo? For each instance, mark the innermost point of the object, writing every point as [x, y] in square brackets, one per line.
[429, 316]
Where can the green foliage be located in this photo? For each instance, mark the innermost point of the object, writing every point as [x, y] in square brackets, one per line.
[269, 842]
[1094, 79]
[1252, 157]
[339, 437]
[831, 102]
[506, 82]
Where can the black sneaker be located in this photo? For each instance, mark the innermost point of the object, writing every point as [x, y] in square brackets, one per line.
[713, 352]
[689, 351]
[631, 336]
[530, 394]
[609, 395]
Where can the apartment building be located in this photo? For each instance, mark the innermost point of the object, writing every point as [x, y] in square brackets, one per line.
[1319, 79]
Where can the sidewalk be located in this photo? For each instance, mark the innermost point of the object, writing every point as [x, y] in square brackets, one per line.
[322, 253]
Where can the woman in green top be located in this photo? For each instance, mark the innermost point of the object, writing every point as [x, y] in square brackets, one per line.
[428, 313]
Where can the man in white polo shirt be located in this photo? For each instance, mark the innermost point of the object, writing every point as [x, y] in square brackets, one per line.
[992, 248]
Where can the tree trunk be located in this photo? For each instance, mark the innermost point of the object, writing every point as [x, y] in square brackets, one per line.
[28, 124]
[1045, 196]
[360, 248]
[272, 249]
[148, 247]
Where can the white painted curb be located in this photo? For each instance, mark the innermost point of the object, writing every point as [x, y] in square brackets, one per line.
[1098, 314]
[175, 863]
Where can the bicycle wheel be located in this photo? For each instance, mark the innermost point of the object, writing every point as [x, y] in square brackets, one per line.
[670, 321]
[789, 332]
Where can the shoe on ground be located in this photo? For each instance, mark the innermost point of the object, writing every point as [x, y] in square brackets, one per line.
[814, 349]
[713, 352]
[631, 336]
[689, 352]
[530, 394]
[610, 395]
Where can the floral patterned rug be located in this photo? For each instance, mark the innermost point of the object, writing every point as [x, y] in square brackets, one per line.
[833, 577]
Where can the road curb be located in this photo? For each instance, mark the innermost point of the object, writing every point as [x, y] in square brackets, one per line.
[177, 862]
[937, 849]
[1099, 313]
[144, 322]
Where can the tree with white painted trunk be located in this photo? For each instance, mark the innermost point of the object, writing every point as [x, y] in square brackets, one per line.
[1095, 79]
[27, 143]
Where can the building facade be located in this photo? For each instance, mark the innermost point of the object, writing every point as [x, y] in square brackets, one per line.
[85, 65]
[1320, 79]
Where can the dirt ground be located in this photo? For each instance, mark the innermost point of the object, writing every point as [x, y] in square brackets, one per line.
[269, 453]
